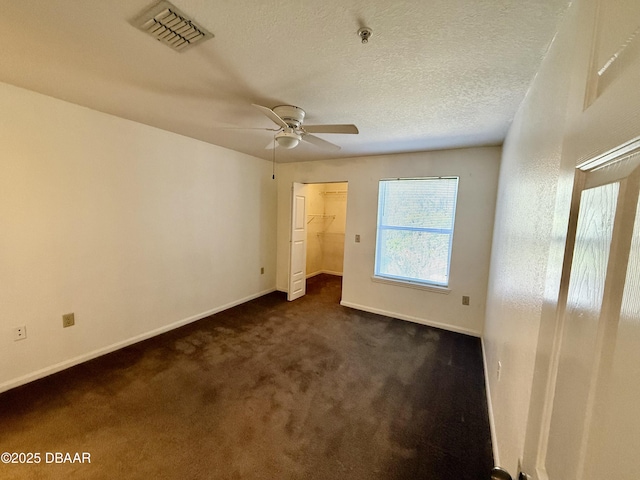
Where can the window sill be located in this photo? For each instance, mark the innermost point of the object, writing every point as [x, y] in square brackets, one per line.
[417, 286]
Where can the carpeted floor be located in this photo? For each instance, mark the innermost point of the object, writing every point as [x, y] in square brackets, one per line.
[266, 390]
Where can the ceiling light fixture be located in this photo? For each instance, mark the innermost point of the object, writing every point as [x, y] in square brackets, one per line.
[288, 138]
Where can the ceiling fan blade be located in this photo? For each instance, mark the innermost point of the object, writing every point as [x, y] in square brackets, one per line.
[319, 142]
[331, 128]
[272, 115]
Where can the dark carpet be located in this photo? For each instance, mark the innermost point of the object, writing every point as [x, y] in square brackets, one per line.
[267, 390]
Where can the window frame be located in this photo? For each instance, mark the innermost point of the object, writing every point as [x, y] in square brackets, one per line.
[409, 281]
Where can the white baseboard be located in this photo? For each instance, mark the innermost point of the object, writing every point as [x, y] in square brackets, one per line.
[492, 422]
[409, 318]
[44, 372]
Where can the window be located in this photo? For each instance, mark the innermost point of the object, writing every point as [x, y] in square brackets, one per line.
[415, 229]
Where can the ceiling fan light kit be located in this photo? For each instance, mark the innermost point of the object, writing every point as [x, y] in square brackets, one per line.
[288, 138]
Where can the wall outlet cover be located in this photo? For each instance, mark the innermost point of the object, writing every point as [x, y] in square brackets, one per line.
[68, 320]
[19, 333]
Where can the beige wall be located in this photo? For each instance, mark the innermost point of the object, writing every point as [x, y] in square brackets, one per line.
[315, 206]
[551, 134]
[327, 202]
[134, 229]
[478, 171]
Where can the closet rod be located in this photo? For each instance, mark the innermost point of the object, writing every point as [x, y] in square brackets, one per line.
[336, 192]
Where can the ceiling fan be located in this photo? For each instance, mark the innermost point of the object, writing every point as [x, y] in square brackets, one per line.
[290, 119]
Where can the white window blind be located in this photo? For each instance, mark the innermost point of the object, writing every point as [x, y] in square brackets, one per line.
[415, 229]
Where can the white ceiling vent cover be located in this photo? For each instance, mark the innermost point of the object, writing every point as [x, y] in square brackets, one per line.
[170, 26]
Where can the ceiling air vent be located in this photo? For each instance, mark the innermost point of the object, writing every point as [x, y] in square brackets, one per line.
[170, 26]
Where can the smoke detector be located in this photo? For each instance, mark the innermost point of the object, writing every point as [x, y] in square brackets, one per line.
[167, 24]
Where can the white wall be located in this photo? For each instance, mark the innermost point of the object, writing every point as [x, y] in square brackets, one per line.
[134, 229]
[551, 134]
[478, 171]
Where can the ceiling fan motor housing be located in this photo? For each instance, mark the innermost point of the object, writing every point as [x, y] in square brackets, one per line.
[293, 116]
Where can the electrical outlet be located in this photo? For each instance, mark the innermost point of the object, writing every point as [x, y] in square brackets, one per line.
[261, 270]
[19, 333]
[357, 238]
[68, 320]
[465, 300]
[499, 371]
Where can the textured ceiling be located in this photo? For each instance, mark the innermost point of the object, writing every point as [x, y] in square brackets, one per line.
[435, 74]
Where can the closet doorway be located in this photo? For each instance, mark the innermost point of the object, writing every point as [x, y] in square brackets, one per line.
[326, 222]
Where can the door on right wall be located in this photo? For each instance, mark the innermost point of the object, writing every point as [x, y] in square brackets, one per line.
[591, 422]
